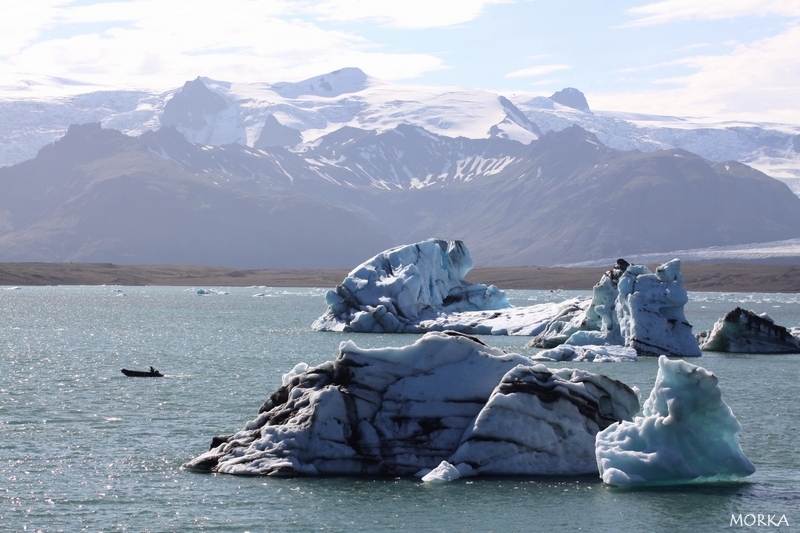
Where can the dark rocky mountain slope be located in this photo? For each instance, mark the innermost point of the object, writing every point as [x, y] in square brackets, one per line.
[99, 195]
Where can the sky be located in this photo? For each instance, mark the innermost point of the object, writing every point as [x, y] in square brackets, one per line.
[730, 59]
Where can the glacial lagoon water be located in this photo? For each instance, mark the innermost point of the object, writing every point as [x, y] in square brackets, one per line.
[83, 448]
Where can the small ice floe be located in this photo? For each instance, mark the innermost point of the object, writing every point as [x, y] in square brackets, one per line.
[686, 434]
[208, 292]
[443, 473]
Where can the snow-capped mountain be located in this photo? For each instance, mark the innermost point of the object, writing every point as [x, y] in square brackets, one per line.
[771, 148]
[236, 113]
[98, 195]
[297, 115]
[328, 171]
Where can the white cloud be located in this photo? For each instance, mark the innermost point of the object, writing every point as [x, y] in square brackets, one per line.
[755, 81]
[161, 43]
[673, 10]
[538, 70]
[22, 22]
[409, 14]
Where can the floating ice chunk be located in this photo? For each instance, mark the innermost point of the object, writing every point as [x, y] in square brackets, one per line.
[743, 331]
[597, 354]
[686, 434]
[443, 473]
[397, 411]
[632, 307]
[398, 288]
[206, 292]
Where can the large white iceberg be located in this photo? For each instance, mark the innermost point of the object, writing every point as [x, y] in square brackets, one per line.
[632, 307]
[686, 434]
[397, 289]
[404, 411]
[743, 331]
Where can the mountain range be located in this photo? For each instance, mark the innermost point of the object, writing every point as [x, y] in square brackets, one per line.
[329, 171]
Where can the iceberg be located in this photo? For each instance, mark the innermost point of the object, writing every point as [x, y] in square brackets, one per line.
[686, 434]
[420, 287]
[631, 307]
[399, 288]
[404, 411]
[743, 331]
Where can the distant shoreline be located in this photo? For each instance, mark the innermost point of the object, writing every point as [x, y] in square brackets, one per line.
[718, 277]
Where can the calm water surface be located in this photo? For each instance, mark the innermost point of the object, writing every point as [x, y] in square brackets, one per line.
[83, 448]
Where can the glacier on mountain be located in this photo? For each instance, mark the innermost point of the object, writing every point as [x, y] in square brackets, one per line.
[39, 112]
[256, 144]
[347, 98]
[218, 113]
[686, 434]
[783, 251]
[446, 406]
[336, 83]
[770, 148]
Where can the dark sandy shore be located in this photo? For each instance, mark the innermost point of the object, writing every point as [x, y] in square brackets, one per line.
[727, 277]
